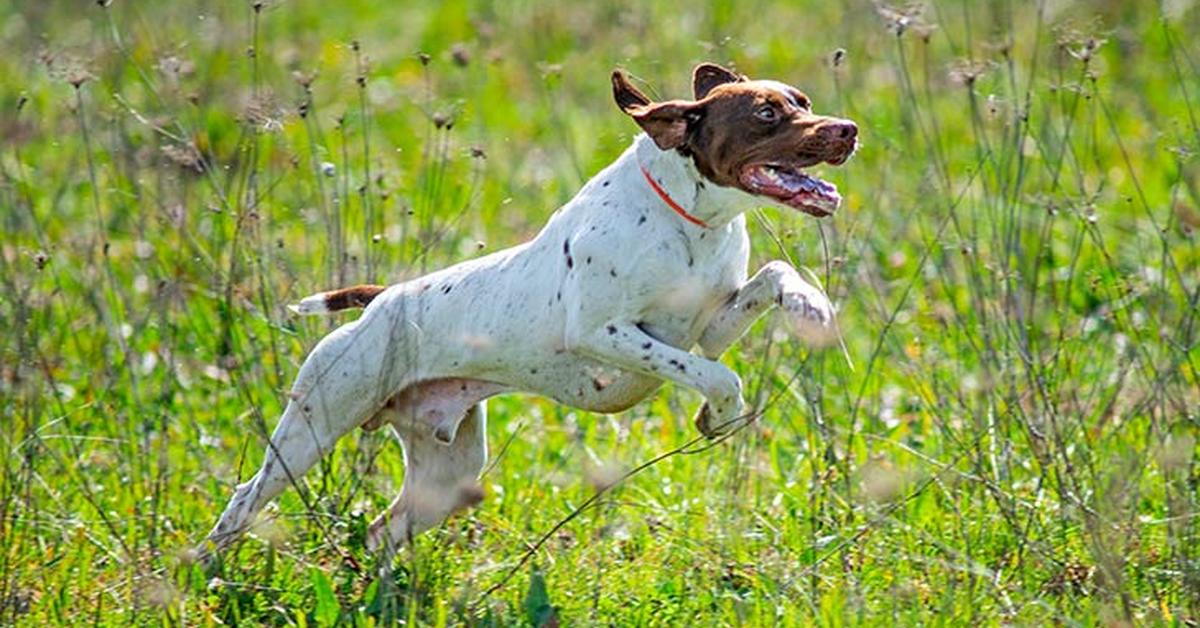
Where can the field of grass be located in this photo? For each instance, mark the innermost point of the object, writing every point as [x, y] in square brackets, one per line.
[1010, 434]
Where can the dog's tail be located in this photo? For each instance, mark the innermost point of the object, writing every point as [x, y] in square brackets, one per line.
[337, 300]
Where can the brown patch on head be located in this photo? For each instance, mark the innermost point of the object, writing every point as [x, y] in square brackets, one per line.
[753, 135]
[666, 122]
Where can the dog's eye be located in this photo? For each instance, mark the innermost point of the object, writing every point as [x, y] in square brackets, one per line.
[766, 113]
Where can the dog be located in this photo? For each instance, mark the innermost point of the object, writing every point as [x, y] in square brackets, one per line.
[647, 262]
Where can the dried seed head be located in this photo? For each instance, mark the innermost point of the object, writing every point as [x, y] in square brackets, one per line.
[478, 153]
[460, 55]
[263, 112]
[78, 76]
[304, 79]
[175, 68]
[424, 58]
[1089, 47]
[442, 120]
[1002, 47]
[65, 67]
[838, 57]
[185, 156]
[1080, 42]
[1189, 217]
[899, 20]
[924, 30]
[966, 71]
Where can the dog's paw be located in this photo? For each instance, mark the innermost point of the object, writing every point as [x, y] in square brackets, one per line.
[713, 426]
[378, 537]
[810, 315]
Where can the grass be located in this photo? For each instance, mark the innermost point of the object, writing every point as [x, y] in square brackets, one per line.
[1010, 436]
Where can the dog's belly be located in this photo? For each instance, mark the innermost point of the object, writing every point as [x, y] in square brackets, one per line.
[587, 384]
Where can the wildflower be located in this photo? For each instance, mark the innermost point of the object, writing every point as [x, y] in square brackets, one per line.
[327, 168]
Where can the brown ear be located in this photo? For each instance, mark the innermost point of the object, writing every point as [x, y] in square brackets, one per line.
[665, 122]
[706, 76]
[627, 96]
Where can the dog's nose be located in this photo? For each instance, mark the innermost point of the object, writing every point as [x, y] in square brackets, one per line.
[841, 130]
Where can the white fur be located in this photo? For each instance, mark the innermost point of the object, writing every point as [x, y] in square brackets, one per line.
[596, 312]
[314, 304]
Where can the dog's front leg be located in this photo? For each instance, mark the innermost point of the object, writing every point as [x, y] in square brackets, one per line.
[625, 345]
[777, 283]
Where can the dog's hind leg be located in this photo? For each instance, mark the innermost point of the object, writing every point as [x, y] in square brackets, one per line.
[295, 446]
[339, 386]
[439, 478]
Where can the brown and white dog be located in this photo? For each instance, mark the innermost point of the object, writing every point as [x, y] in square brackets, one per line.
[647, 262]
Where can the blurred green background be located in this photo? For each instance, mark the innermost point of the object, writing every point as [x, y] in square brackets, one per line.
[1010, 435]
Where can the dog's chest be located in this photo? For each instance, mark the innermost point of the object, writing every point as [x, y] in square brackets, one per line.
[690, 279]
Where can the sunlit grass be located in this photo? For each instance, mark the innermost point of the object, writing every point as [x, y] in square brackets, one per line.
[1010, 435]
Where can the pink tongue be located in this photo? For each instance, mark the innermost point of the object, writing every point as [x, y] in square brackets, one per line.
[793, 182]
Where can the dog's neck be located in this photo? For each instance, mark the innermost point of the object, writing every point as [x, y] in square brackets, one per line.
[708, 203]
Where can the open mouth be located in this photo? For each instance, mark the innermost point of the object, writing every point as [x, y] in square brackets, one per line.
[792, 187]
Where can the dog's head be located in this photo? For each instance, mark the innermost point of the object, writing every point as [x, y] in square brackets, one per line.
[756, 136]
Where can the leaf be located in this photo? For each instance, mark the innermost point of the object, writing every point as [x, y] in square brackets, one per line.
[327, 609]
[538, 609]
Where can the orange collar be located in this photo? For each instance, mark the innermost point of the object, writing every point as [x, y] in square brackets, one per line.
[669, 201]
